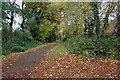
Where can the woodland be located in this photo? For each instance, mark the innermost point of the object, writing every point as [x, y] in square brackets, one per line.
[86, 29]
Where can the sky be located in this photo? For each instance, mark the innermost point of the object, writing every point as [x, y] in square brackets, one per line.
[17, 18]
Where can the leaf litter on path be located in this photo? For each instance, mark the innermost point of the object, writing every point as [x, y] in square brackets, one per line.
[70, 66]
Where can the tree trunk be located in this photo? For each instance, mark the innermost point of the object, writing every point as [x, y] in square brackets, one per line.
[105, 25]
[96, 18]
[23, 15]
[12, 17]
[85, 29]
[22, 24]
[97, 24]
[90, 29]
[118, 20]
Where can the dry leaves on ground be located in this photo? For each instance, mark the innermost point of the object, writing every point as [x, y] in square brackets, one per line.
[64, 65]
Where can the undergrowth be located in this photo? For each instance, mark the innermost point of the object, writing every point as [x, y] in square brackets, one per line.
[18, 41]
[93, 46]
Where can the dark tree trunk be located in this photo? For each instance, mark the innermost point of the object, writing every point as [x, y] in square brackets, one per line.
[12, 16]
[23, 15]
[118, 20]
[96, 21]
[105, 25]
[85, 29]
[96, 18]
[76, 28]
[90, 29]
[11, 19]
[22, 24]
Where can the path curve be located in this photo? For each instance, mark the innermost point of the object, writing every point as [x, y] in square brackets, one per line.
[20, 67]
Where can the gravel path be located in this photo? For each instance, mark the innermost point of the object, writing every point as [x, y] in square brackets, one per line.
[21, 67]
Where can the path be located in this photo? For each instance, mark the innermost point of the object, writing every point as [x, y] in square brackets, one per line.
[20, 67]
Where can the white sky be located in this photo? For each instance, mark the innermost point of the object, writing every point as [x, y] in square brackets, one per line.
[17, 18]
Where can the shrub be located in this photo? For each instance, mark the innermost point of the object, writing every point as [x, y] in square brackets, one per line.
[18, 41]
[94, 46]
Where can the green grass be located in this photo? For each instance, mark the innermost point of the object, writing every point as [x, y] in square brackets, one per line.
[61, 48]
[55, 52]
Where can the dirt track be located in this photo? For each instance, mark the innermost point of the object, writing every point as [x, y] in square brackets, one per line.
[20, 67]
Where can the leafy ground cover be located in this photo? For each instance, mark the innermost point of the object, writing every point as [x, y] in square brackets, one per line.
[60, 64]
[18, 41]
[94, 46]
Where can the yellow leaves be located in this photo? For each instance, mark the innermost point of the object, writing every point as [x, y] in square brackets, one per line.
[10, 64]
[60, 65]
[43, 32]
[73, 54]
[35, 9]
[54, 24]
[79, 57]
[106, 61]
[101, 50]
[40, 8]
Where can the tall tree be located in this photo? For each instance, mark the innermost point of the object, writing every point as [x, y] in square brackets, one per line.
[43, 17]
[23, 15]
[85, 29]
[118, 19]
[96, 17]
[12, 15]
[109, 10]
[9, 9]
[90, 29]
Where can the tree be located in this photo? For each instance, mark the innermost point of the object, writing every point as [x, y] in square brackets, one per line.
[90, 29]
[110, 8]
[9, 9]
[23, 15]
[41, 10]
[118, 19]
[73, 17]
[96, 21]
[43, 17]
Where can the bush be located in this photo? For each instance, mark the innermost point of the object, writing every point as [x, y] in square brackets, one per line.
[94, 46]
[18, 41]
[18, 49]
